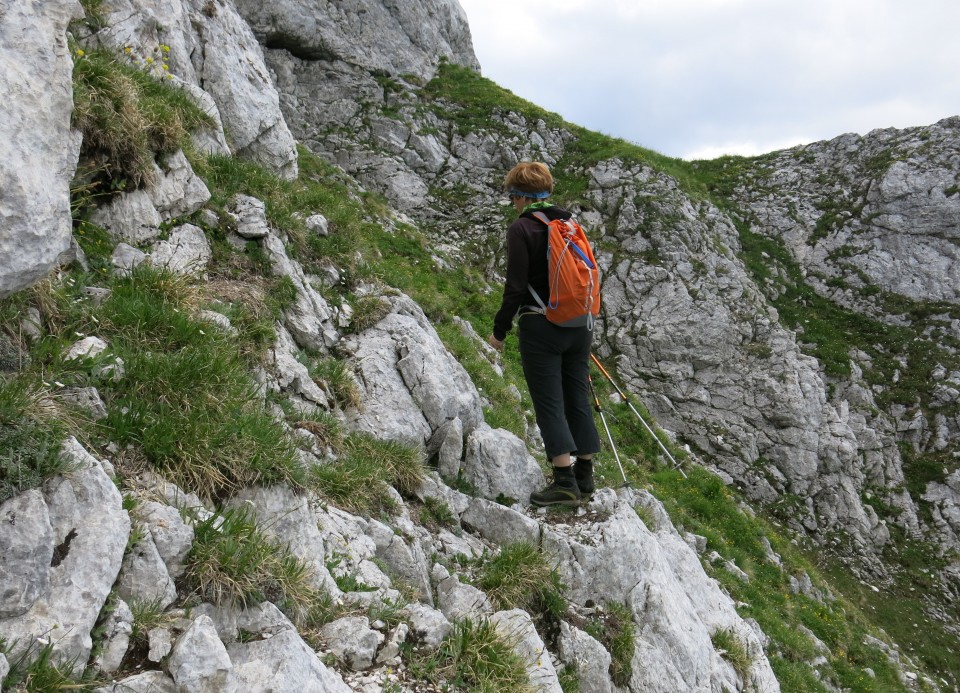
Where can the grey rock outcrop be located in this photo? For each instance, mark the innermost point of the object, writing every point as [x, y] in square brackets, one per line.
[286, 661]
[85, 544]
[187, 251]
[199, 662]
[380, 37]
[411, 384]
[876, 210]
[517, 628]
[38, 149]
[655, 573]
[26, 543]
[212, 51]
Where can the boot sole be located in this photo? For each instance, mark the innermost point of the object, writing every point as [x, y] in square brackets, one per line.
[569, 502]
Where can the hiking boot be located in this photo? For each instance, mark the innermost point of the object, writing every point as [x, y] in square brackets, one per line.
[563, 490]
[583, 473]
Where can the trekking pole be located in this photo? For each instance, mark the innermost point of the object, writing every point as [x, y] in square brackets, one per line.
[596, 405]
[676, 465]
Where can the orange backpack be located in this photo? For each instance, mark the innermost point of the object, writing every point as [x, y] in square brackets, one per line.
[573, 276]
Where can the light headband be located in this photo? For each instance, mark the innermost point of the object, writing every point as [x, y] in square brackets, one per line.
[532, 195]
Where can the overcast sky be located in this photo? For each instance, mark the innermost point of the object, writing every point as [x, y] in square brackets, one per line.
[701, 78]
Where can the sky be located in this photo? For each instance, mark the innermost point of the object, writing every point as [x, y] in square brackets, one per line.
[697, 79]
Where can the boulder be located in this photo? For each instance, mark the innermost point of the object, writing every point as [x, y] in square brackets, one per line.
[588, 657]
[38, 150]
[286, 662]
[117, 628]
[352, 641]
[144, 578]
[199, 662]
[310, 318]
[428, 626]
[186, 251]
[516, 626]
[497, 464]
[500, 524]
[26, 543]
[89, 531]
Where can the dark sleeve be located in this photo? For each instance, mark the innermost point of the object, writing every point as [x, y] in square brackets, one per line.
[515, 290]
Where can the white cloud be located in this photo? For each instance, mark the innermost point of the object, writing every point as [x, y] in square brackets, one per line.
[684, 76]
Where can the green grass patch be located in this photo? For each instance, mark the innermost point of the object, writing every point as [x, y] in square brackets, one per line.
[127, 116]
[357, 479]
[233, 563]
[38, 669]
[187, 402]
[729, 646]
[473, 658]
[519, 576]
[32, 430]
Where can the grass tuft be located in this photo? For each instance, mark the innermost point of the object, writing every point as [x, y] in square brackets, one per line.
[38, 669]
[356, 481]
[233, 563]
[127, 116]
[33, 426]
[520, 577]
[474, 657]
[730, 647]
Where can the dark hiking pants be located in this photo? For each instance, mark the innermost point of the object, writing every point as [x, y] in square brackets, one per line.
[556, 363]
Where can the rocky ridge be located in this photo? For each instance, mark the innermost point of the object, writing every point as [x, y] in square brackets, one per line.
[684, 319]
[687, 332]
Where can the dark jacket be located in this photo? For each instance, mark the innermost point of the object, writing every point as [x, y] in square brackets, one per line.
[526, 264]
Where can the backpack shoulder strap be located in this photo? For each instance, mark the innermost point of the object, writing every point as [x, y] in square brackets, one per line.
[541, 217]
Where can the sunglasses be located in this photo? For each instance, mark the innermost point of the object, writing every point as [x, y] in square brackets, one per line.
[514, 196]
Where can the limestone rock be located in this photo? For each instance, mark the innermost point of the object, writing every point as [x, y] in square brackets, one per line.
[286, 662]
[216, 57]
[405, 560]
[428, 626]
[26, 543]
[659, 577]
[310, 319]
[89, 530]
[88, 399]
[38, 150]
[129, 217]
[251, 215]
[125, 258]
[147, 682]
[517, 628]
[172, 536]
[187, 251]
[117, 629]
[390, 38]
[458, 601]
[178, 191]
[144, 577]
[199, 662]
[353, 641]
[499, 524]
[497, 463]
[588, 657]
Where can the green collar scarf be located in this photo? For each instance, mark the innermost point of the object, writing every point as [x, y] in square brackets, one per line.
[535, 206]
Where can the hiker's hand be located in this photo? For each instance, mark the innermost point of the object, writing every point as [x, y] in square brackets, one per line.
[495, 343]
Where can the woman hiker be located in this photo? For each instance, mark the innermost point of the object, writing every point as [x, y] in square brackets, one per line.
[555, 359]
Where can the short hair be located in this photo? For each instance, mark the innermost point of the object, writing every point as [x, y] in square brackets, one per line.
[529, 176]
